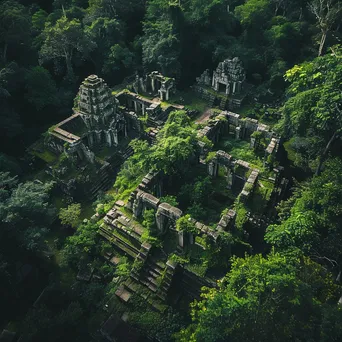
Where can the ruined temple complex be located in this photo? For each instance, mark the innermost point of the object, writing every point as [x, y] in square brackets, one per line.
[96, 138]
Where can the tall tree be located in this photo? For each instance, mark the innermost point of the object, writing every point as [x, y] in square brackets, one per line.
[313, 108]
[41, 88]
[327, 13]
[70, 216]
[311, 220]
[15, 26]
[63, 40]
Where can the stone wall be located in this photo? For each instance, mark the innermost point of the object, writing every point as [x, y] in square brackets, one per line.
[240, 128]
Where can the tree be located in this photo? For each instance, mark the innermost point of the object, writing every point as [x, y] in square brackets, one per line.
[277, 298]
[175, 146]
[25, 210]
[82, 245]
[160, 43]
[314, 104]
[311, 221]
[186, 224]
[15, 25]
[70, 216]
[45, 324]
[63, 39]
[254, 12]
[28, 203]
[327, 13]
[41, 88]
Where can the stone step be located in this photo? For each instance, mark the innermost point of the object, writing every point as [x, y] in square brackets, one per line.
[119, 242]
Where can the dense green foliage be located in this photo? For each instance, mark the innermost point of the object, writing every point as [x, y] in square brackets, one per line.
[71, 215]
[289, 293]
[273, 298]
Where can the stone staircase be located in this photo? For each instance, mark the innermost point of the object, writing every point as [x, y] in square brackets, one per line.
[156, 276]
[192, 284]
[127, 152]
[102, 182]
[151, 122]
[122, 233]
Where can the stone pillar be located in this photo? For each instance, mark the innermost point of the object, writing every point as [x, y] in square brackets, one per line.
[135, 106]
[90, 139]
[161, 221]
[227, 89]
[213, 168]
[234, 87]
[252, 144]
[181, 239]
[137, 207]
[239, 86]
[143, 109]
[167, 95]
[237, 132]
[161, 95]
[152, 84]
[98, 136]
[230, 178]
[116, 137]
[108, 138]
[191, 238]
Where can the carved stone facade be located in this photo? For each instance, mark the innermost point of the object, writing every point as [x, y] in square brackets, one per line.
[98, 109]
[231, 75]
[226, 85]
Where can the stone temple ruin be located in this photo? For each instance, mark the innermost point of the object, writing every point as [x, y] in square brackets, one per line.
[155, 83]
[103, 122]
[103, 119]
[226, 85]
[96, 120]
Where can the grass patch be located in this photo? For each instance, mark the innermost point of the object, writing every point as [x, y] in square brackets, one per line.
[191, 100]
[240, 149]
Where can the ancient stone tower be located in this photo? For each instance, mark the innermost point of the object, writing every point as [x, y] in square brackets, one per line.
[98, 109]
[229, 76]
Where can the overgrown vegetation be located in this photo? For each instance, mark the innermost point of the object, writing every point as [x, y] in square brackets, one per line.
[288, 293]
